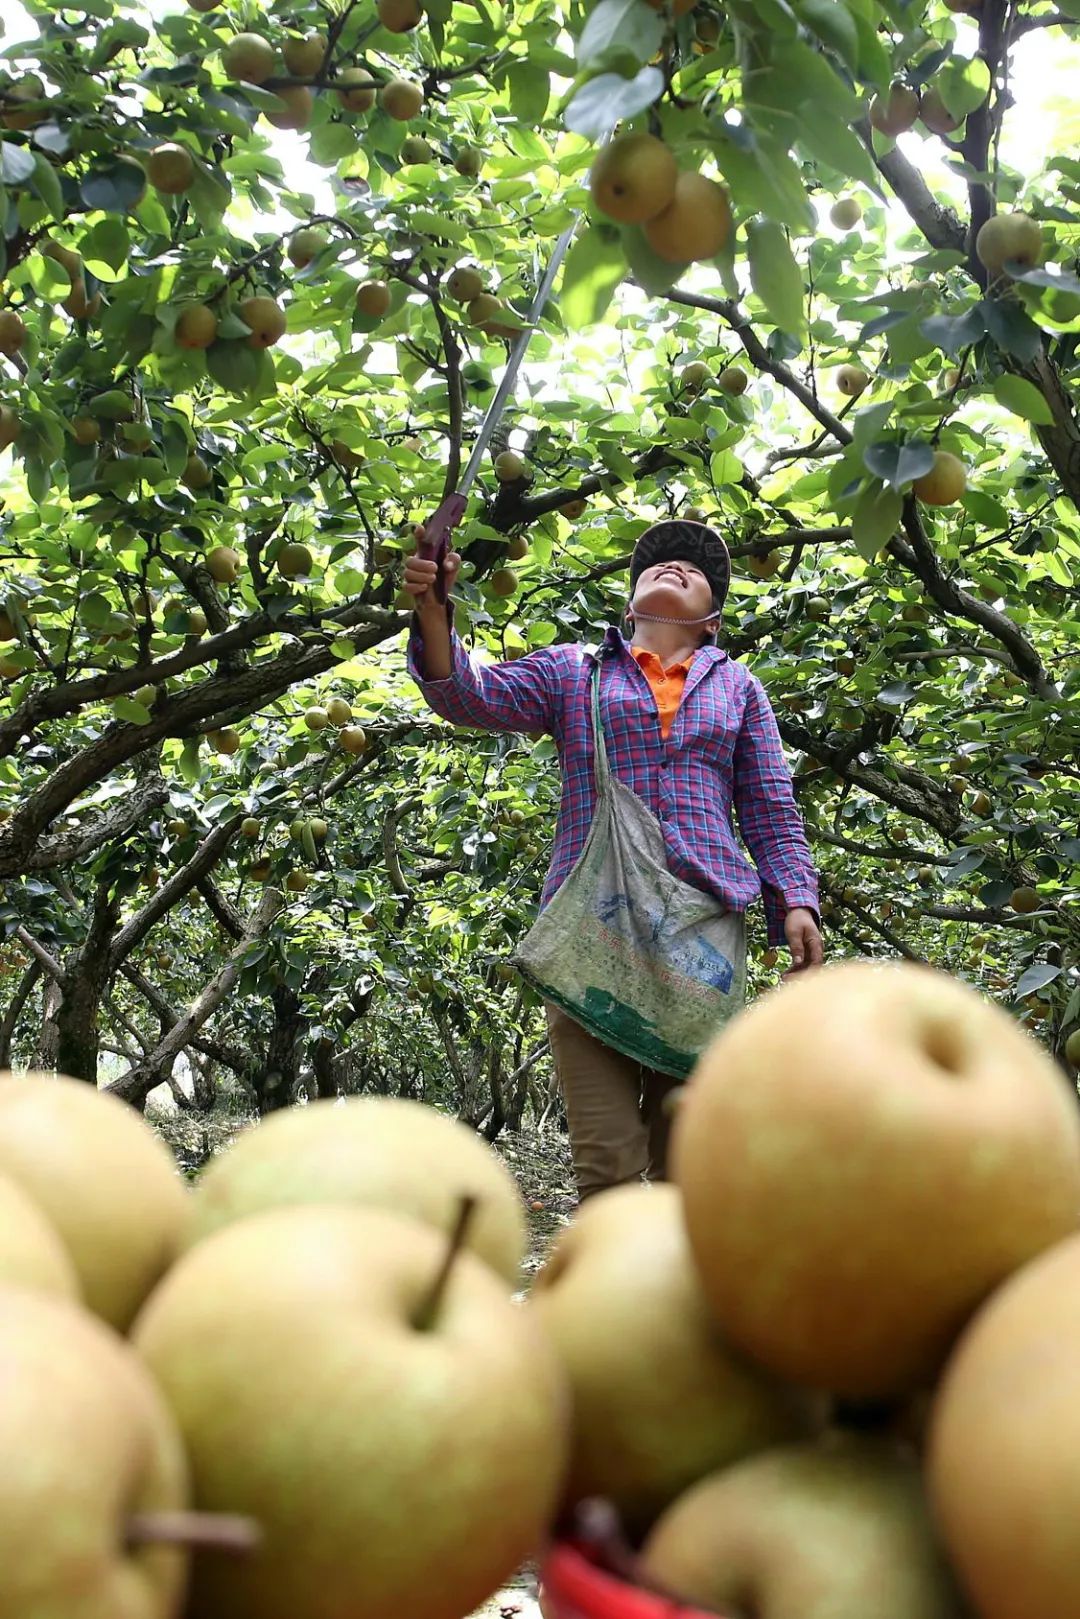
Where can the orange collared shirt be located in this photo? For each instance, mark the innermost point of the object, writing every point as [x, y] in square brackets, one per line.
[667, 685]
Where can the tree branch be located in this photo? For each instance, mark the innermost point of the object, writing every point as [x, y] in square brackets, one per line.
[173, 889]
[943, 229]
[136, 1041]
[221, 909]
[959, 603]
[66, 698]
[14, 1009]
[223, 695]
[939, 224]
[41, 955]
[230, 1056]
[1047, 19]
[756, 351]
[391, 822]
[917, 801]
[200, 586]
[75, 842]
[134, 1085]
[871, 851]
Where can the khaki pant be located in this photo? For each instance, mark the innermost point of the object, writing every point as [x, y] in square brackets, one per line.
[616, 1110]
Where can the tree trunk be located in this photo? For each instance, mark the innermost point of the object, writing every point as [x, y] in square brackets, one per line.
[86, 974]
[277, 1086]
[495, 1123]
[48, 1039]
[324, 1067]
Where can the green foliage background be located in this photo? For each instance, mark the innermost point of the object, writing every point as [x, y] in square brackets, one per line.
[928, 696]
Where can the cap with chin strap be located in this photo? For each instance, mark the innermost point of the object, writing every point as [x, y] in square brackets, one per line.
[679, 540]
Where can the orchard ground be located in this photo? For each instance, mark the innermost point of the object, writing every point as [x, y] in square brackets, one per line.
[538, 1157]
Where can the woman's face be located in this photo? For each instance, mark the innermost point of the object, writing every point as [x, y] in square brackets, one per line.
[673, 590]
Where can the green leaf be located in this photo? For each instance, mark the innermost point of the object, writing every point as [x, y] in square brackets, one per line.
[964, 84]
[955, 332]
[114, 405]
[530, 92]
[115, 37]
[766, 19]
[875, 62]
[189, 764]
[209, 195]
[605, 101]
[1037, 977]
[330, 143]
[16, 163]
[1051, 276]
[627, 23]
[234, 365]
[877, 512]
[47, 186]
[95, 609]
[595, 265]
[1011, 329]
[898, 464]
[114, 187]
[725, 468]
[916, 457]
[987, 511]
[883, 323]
[765, 180]
[106, 247]
[427, 222]
[48, 279]
[652, 273]
[774, 274]
[1024, 399]
[868, 422]
[834, 25]
[908, 341]
[126, 708]
[806, 78]
[834, 142]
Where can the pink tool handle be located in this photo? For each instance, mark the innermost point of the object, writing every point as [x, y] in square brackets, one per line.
[436, 540]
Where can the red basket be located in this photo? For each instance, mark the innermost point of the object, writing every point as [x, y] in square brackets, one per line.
[573, 1586]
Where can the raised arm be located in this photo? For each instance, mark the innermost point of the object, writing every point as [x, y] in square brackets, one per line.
[517, 696]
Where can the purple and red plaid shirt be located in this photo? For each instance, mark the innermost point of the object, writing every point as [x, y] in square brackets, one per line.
[724, 753]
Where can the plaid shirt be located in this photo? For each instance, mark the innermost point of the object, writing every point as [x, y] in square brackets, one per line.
[723, 753]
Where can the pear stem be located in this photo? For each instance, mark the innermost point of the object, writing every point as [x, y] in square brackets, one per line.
[200, 1531]
[426, 1313]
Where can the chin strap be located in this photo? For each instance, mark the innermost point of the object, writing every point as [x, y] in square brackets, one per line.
[654, 618]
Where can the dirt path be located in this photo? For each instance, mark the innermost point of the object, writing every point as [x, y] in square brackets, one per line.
[541, 1166]
[511, 1603]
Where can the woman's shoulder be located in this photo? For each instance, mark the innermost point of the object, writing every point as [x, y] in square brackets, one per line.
[565, 656]
[735, 672]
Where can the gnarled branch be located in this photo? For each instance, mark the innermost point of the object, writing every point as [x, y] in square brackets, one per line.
[75, 842]
[14, 1009]
[143, 1076]
[181, 882]
[221, 909]
[391, 822]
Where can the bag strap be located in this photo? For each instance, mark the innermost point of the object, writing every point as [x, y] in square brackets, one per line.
[600, 760]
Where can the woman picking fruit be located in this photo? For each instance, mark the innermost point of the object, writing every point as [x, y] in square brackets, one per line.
[640, 946]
